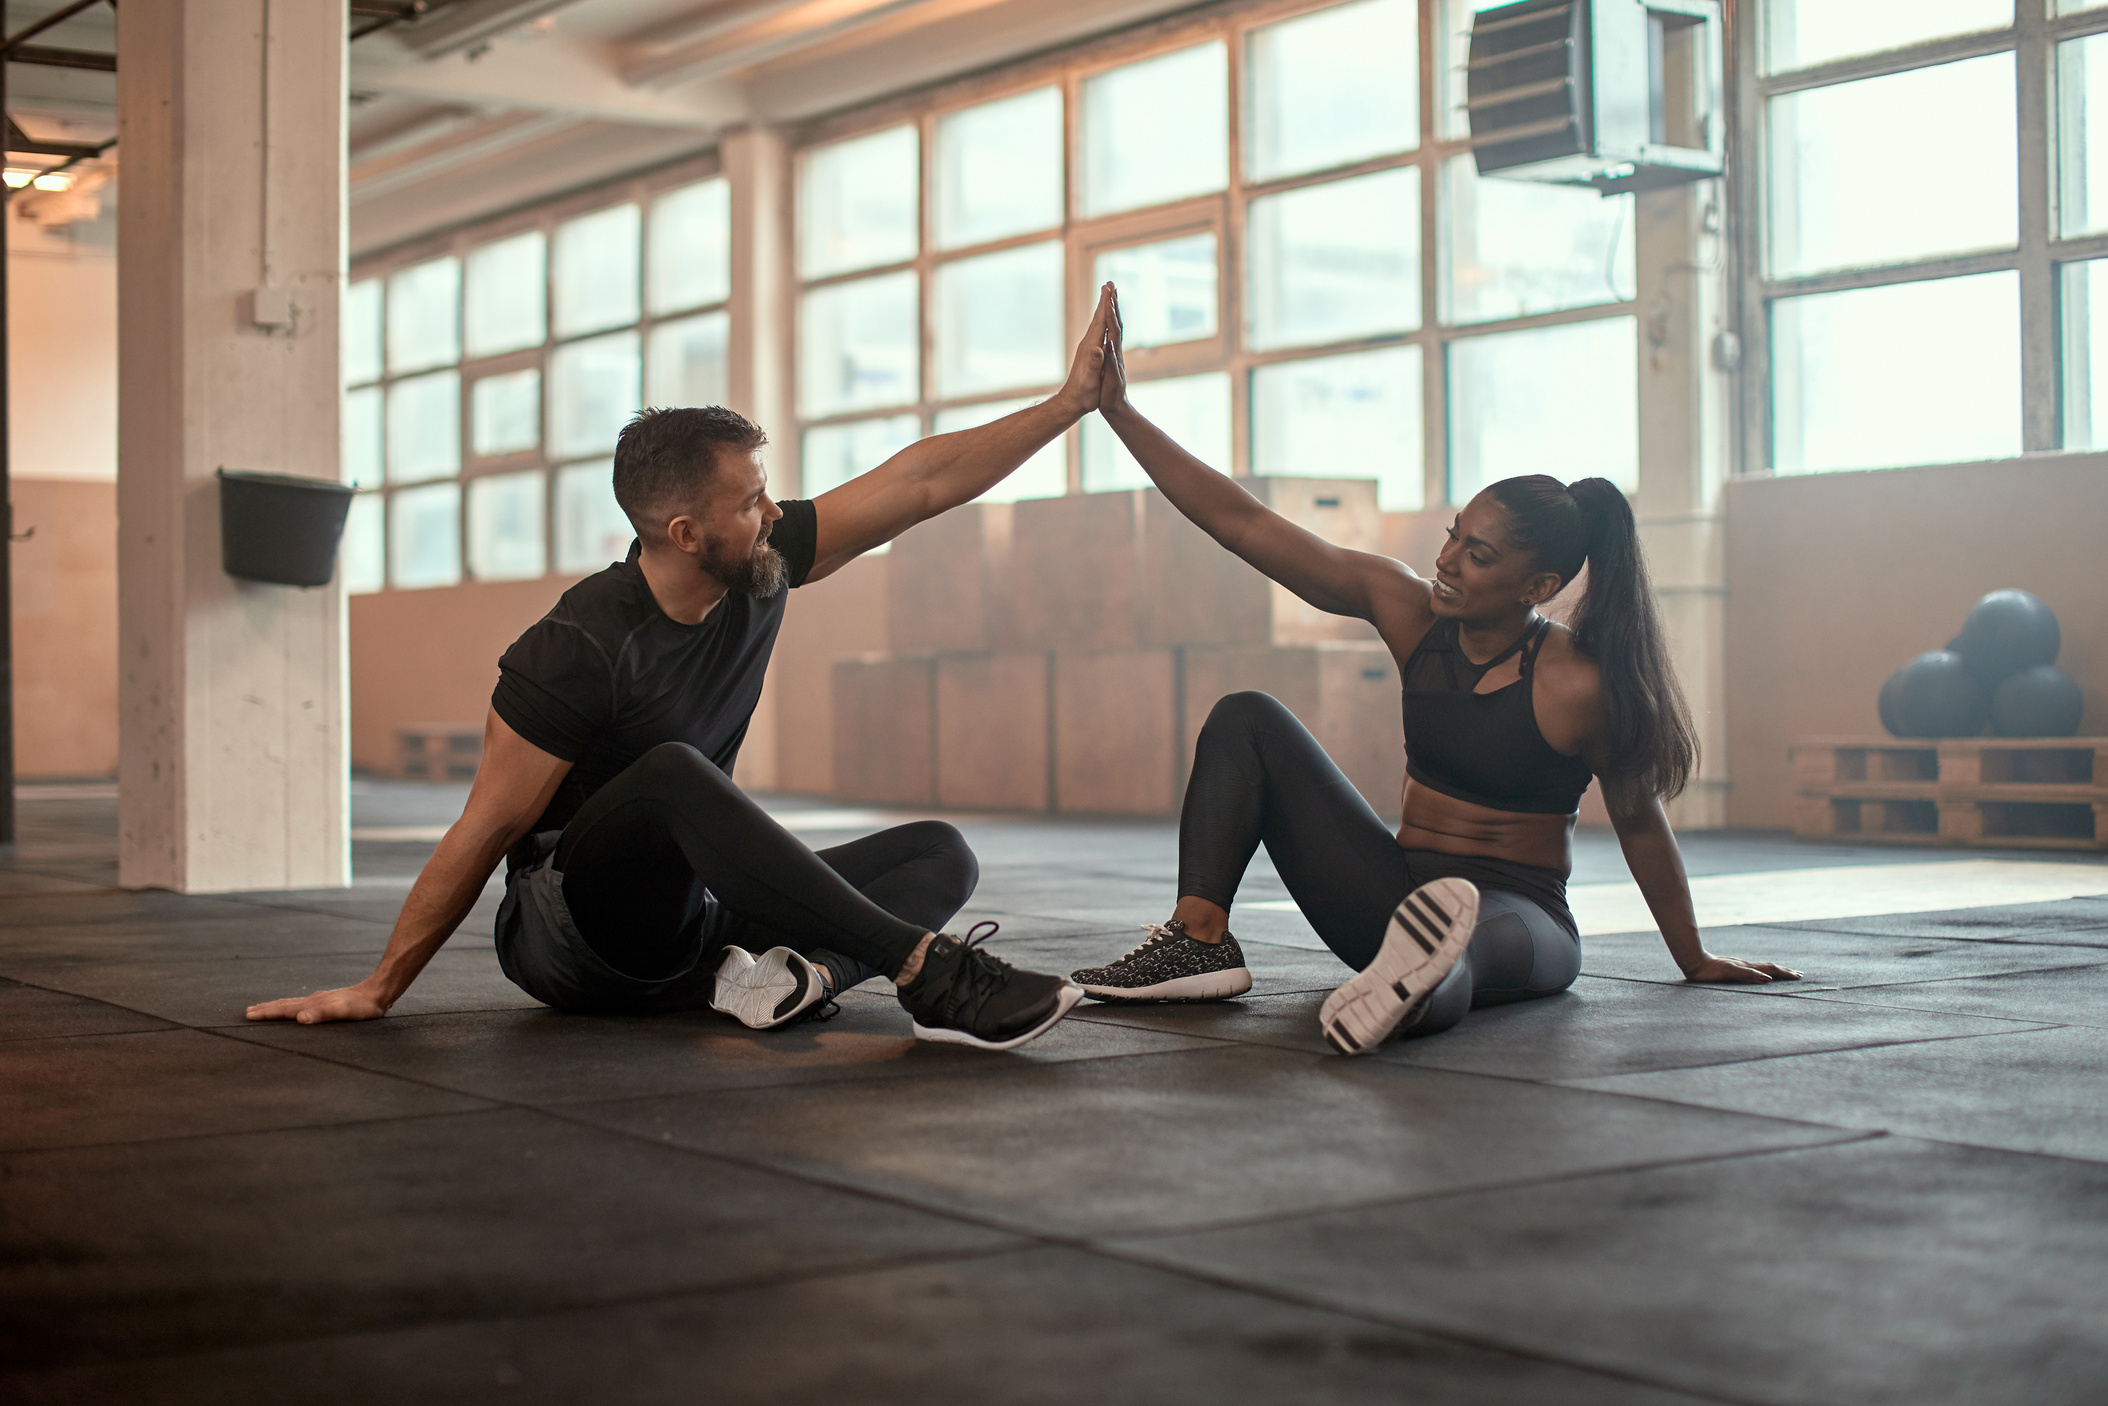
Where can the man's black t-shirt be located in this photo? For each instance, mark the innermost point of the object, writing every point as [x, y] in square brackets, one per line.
[606, 676]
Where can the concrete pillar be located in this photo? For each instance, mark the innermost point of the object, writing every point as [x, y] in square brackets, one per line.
[1684, 399]
[233, 761]
[756, 163]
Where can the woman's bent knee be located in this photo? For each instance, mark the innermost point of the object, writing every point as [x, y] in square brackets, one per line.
[1243, 711]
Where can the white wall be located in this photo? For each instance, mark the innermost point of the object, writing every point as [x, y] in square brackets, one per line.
[62, 349]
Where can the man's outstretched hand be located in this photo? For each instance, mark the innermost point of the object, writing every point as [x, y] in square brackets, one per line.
[345, 1003]
[1080, 393]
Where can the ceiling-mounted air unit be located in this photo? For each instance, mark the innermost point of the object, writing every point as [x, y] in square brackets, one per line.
[1616, 95]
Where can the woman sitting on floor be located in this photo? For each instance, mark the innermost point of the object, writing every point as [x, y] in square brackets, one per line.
[1507, 716]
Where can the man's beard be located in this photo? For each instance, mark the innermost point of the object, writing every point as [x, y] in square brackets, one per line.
[761, 573]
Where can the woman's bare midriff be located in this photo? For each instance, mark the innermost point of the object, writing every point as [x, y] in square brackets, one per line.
[1450, 826]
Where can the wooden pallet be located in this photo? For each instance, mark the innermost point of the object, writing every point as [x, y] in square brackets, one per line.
[2026, 793]
[438, 752]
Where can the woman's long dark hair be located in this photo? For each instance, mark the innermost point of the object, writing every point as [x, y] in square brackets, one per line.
[1651, 745]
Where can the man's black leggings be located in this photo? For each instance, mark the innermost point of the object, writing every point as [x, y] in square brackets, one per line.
[1260, 777]
[670, 859]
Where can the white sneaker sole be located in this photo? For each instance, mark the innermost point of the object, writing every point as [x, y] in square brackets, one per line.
[1428, 934]
[1208, 986]
[764, 992]
[945, 1035]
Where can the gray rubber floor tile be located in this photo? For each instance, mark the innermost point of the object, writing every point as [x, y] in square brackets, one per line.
[146, 1249]
[1826, 961]
[2040, 1091]
[2066, 996]
[32, 1013]
[14, 882]
[1187, 1139]
[545, 1057]
[184, 1083]
[2072, 922]
[464, 977]
[256, 933]
[1042, 1327]
[1596, 1027]
[1879, 1273]
[102, 905]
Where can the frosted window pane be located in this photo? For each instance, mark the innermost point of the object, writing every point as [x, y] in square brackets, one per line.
[1915, 373]
[691, 246]
[1552, 400]
[999, 169]
[505, 537]
[857, 203]
[1338, 86]
[1895, 168]
[362, 437]
[1194, 410]
[2072, 7]
[686, 362]
[998, 321]
[860, 344]
[1167, 290]
[1803, 33]
[506, 301]
[360, 341]
[594, 387]
[834, 454]
[1514, 248]
[362, 558]
[2082, 148]
[2085, 360]
[592, 532]
[1354, 416]
[1336, 261]
[1157, 130]
[597, 259]
[424, 316]
[505, 412]
[424, 536]
[424, 428]
[1044, 475]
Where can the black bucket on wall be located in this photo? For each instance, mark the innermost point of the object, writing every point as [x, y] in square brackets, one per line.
[281, 529]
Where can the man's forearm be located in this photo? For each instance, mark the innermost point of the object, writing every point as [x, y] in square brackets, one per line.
[959, 467]
[444, 893]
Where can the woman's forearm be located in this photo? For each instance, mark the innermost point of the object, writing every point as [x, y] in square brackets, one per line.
[1657, 867]
[1214, 501]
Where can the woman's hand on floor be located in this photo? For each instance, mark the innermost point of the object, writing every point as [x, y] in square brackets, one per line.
[1735, 970]
[345, 1003]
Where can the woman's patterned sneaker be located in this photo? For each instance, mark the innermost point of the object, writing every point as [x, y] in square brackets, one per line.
[1427, 936]
[1170, 966]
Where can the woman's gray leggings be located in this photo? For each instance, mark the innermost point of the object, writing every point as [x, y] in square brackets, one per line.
[1260, 777]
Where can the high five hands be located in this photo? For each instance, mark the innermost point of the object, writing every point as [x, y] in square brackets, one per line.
[1097, 377]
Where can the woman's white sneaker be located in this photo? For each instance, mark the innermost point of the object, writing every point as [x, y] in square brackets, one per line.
[763, 992]
[1426, 938]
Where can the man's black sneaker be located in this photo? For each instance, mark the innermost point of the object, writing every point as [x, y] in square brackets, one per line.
[1170, 966]
[1427, 937]
[963, 996]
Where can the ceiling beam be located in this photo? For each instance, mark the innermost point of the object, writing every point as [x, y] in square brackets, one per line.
[548, 72]
[769, 37]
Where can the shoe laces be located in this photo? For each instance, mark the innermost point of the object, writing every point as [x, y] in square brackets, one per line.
[1158, 933]
[982, 973]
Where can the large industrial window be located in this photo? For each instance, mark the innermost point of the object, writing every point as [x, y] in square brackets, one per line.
[486, 383]
[1921, 230]
[1315, 281]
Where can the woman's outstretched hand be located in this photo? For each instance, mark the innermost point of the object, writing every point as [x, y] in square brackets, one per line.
[1734, 969]
[1112, 372]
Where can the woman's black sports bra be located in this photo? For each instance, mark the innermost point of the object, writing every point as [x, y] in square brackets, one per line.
[1484, 748]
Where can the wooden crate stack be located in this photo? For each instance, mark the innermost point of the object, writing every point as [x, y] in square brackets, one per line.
[2024, 793]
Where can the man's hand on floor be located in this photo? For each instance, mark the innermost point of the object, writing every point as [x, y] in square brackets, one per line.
[346, 1003]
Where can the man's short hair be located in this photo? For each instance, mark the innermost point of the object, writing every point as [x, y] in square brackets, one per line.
[665, 459]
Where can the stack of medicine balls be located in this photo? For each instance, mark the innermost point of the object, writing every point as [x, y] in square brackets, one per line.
[2001, 668]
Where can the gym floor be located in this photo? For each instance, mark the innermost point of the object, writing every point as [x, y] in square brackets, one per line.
[1888, 1183]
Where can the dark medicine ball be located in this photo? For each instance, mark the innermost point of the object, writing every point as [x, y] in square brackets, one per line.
[2037, 702]
[1937, 696]
[1890, 705]
[2006, 632]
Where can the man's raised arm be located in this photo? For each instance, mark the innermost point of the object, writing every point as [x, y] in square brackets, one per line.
[937, 474]
[514, 782]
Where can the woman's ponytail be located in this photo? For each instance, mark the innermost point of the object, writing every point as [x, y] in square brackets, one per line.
[1651, 745]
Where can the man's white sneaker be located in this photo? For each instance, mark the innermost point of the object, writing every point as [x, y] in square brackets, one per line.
[763, 992]
[1427, 936]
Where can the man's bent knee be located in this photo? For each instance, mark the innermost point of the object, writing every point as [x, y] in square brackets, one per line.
[954, 870]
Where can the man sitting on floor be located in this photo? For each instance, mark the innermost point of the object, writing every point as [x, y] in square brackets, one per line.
[639, 877]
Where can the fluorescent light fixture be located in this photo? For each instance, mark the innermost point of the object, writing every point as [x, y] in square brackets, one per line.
[17, 179]
[53, 181]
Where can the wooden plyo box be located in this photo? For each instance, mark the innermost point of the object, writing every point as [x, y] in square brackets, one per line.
[993, 738]
[2021, 793]
[884, 729]
[948, 582]
[1117, 748]
[1345, 692]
